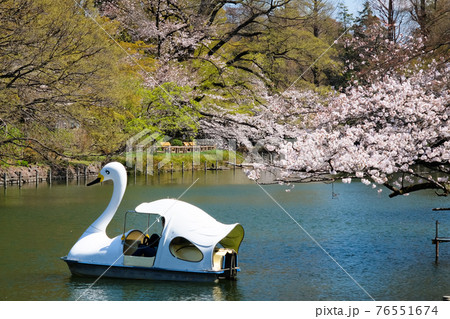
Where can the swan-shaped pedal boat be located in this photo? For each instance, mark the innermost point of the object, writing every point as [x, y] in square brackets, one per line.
[186, 243]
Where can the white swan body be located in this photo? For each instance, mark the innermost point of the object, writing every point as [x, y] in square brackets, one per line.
[192, 245]
[94, 246]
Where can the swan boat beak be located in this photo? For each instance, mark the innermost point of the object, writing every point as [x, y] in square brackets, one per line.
[99, 179]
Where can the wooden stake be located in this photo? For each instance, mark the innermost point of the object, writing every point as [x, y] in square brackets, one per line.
[437, 241]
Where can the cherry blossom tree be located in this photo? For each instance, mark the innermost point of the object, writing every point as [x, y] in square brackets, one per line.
[394, 132]
[433, 22]
[382, 130]
[392, 13]
[370, 54]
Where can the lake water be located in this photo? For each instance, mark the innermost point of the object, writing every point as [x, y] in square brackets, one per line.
[381, 247]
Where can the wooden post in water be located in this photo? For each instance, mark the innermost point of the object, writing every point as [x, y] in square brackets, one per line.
[205, 166]
[20, 179]
[50, 176]
[182, 168]
[171, 167]
[5, 180]
[437, 241]
[37, 177]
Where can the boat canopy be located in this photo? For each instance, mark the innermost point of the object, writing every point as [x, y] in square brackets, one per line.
[185, 223]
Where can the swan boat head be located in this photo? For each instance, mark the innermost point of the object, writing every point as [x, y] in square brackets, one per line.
[117, 173]
[91, 245]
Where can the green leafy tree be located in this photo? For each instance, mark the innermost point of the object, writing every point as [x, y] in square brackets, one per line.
[168, 109]
[55, 78]
[344, 16]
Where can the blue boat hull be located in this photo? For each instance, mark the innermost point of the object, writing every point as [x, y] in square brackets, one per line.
[133, 272]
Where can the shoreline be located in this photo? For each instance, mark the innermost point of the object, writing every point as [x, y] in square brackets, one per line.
[39, 173]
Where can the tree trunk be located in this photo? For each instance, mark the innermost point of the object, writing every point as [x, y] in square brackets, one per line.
[391, 21]
[316, 29]
[158, 49]
[422, 17]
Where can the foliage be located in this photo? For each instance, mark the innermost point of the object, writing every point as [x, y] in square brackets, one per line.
[168, 109]
[176, 142]
[78, 79]
[373, 132]
[226, 50]
[55, 66]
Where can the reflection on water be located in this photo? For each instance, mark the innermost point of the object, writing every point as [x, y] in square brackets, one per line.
[385, 244]
[114, 289]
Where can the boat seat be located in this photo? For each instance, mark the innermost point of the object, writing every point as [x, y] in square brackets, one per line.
[183, 249]
[132, 241]
[218, 256]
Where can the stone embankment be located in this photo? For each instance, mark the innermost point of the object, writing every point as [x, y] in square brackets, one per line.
[18, 175]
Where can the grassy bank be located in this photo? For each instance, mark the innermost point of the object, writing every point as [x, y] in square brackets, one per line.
[214, 159]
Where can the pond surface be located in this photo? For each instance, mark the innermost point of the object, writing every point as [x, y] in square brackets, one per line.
[357, 245]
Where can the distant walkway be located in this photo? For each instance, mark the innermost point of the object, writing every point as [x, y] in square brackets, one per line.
[187, 148]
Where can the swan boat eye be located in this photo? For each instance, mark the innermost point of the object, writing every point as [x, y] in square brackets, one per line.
[107, 172]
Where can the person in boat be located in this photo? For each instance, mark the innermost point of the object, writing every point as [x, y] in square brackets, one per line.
[149, 246]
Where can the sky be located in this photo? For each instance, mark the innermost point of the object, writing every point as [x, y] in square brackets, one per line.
[354, 6]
